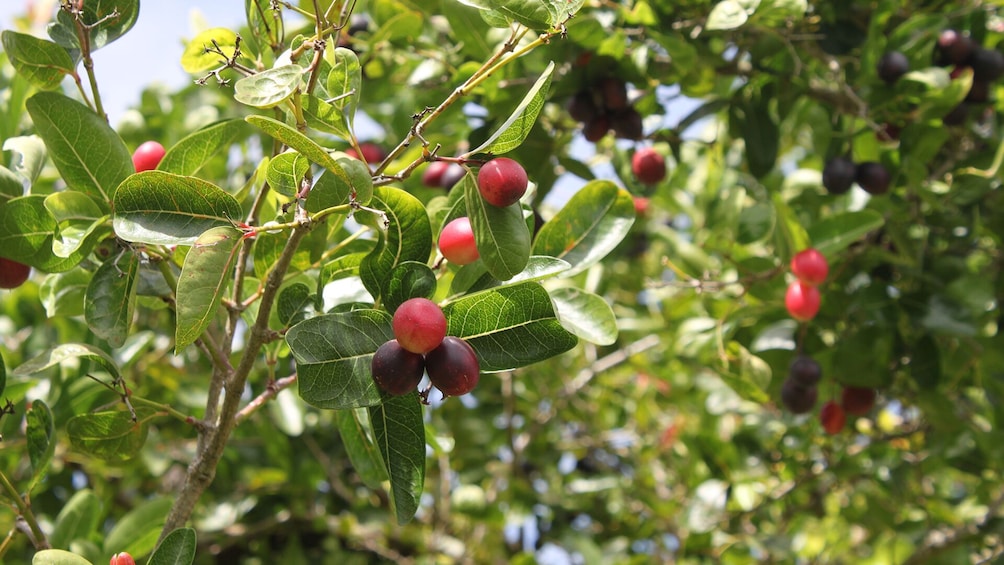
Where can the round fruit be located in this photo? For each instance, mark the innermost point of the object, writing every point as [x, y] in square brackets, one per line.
[502, 182]
[614, 94]
[810, 267]
[987, 64]
[372, 153]
[953, 48]
[857, 400]
[627, 124]
[796, 398]
[802, 301]
[648, 166]
[453, 367]
[892, 66]
[456, 242]
[12, 273]
[419, 325]
[838, 175]
[433, 175]
[596, 128]
[147, 156]
[122, 559]
[832, 417]
[581, 106]
[641, 206]
[397, 370]
[452, 176]
[873, 177]
[805, 371]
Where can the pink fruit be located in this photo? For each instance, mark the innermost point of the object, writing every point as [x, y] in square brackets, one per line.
[419, 325]
[456, 242]
[502, 182]
[147, 156]
[802, 301]
[810, 266]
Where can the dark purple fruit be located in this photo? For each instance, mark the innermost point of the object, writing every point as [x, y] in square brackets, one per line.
[627, 124]
[892, 66]
[453, 367]
[796, 398]
[979, 92]
[953, 48]
[614, 94]
[805, 371]
[452, 176]
[987, 64]
[581, 107]
[838, 175]
[873, 177]
[397, 370]
[596, 128]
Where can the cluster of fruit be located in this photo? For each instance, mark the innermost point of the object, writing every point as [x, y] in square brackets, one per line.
[802, 298]
[604, 107]
[420, 345]
[841, 172]
[958, 50]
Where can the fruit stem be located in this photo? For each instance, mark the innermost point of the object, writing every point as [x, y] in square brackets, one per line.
[39, 540]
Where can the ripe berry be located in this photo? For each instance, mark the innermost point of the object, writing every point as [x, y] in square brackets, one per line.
[838, 175]
[802, 301]
[453, 367]
[596, 128]
[614, 94]
[627, 124]
[397, 370]
[502, 182]
[419, 325]
[953, 48]
[452, 176]
[12, 273]
[796, 398]
[641, 206]
[122, 559]
[581, 106]
[892, 66]
[805, 371]
[987, 64]
[832, 417]
[372, 153]
[433, 174]
[857, 400]
[648, 166]
[873, 177]
[147, 156]
[810, 267]
[456, 242]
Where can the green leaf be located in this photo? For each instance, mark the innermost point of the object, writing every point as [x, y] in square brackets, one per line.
[39, 438]
[285, 173]
[27, 233]
[63, 294]
[268, 88]
[78, 519]
[346, 266]
[410, 279]
[292, 303]
[137, 531]
[475, 277]
[87, 152]
[79, 220]
[509, 327]
[727, 14]
[265, 24]
[407, 237]
[323, 116]
[755, 223]
[501, 234]
[10, 185]
[166, 209]
[203, 280]
[759, 131]
[469, 30]
[195, 58]
[400, 435]
[753, 376]
[111, 27]
[196, 149]
[588, 227]
[333, 190]
[42, 62]
[517, 126]
[356, 433]
[60, 353]
[538, 15]
[790, 236]
[345, 84]
[57, 557]
[110, 436]
[333, 354]
[111, 298]
[585, 314]
[834, 234]
[178, 548]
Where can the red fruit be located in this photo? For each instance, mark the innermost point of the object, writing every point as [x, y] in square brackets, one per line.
[640, 205]
[453, 367]
[397, 370]
[857, 400]
[502, 182]
[456, 242]
[648, 166]
[122, 559]
[832, 417]
[12, 273]
[802, 301]
[419, 325]
[433, 175]
[798, 399]
[372, 153]
[810, 267]
[147, 156]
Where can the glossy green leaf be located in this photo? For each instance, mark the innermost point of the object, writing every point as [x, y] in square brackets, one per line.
[88, 153]
[203, 280]
[10, 185]
[110, 436]
[57, 557]
[78, 519]
[325, 117]
[111, 298]
[517, 126]
[469, 29]
[333, 353]
[292, 303]
[400, 435]
[407, 237]
[357, 436]
[501, 234]
[40, 435]
[79, 220]
[137, 531]
[62, 294]
[268, 88]
[333, 190]
[285, 173]
[162, 208]
[585, 314]
[588, 227]
[178, 548]
[509, 327]
[834, 234]
[195, 58]
[346, 266]
[31, 154]
[187, 156]
[535, 14]
[44, 63]
[27, 233]
[60, 353]
[475, 277]
[108, 20]
[345, 84]
[410, 279]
